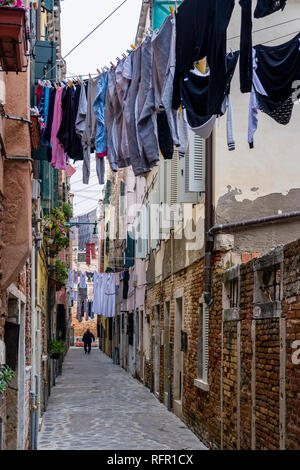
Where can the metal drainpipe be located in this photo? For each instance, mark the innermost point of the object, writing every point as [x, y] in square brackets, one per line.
[211, 231]
[209, 241]
[253, 222]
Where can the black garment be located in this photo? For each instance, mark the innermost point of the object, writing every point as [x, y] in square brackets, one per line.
[278, 67]
[88, 338]
[165, 140]
[201, 32]
[125, 284]
[87, 347]
[246, 47]
[47, 133]
[267, 7]
[195, 89]
[67, 134]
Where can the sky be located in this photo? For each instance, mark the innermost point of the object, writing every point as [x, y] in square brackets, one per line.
[109, 41]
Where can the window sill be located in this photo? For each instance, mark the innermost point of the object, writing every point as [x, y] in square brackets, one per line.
[201, 384]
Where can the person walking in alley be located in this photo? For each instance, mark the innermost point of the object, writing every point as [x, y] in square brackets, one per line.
[87, 338]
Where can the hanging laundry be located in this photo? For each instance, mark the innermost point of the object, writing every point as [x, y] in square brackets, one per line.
[111, 110]
[145, 108]
[164, 62]
[98, 293]
[84, 231]
[109, 301]
[48, 130]
[90, 252]
[139, 164]
[201, 32]
[67, 133]
[58, 153]
[123, 76]
[267, 7]
[195, 86]
[125, 284]
[89, 135]
[99, 110]
[275, 71]
[71, 279]
[82, 282]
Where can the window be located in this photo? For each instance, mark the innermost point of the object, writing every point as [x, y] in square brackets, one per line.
[203, 343]
[268, 285]
[231, 294]
[81, 257]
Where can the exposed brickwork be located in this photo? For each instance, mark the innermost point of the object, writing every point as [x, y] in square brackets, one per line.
[244, 364]
[291, 311]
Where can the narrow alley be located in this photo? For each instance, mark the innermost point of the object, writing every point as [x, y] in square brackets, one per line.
[96, 405]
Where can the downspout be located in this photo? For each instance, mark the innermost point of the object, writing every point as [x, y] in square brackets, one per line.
[209, 240]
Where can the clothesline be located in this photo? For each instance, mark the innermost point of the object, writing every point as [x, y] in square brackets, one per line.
[89, 34]
[72, 75]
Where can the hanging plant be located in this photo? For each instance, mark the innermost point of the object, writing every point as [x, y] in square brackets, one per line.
[62, 272]
[56, 232]
[6, 375]
[13, 3]
[67, 210]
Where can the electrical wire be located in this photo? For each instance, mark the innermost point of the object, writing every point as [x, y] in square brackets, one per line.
[267, 27]
[88, 35]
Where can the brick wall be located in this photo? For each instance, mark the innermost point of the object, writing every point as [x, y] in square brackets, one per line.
[291, 311]
[253, 396]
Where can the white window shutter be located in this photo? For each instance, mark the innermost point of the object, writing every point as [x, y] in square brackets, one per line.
[192, 170]
[174, 183]
[154, 220]
[141, 235]
[197, 164]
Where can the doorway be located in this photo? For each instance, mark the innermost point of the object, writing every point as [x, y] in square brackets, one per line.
[178, 357]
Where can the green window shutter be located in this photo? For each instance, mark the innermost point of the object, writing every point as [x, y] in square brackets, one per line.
[160, 11]
[129, 253]
[45, 60]
[40, 154]
[47, 5]
[54, 195]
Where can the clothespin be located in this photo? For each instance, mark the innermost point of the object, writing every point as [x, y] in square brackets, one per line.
[79, 81]
[171, 10]
[118, 59]
[98, 71]
[201, 65]
[132, 46]
[124, 55]
[176, 7]
[90, 76]
[70, 83]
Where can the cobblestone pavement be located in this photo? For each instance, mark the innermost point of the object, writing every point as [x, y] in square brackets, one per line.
[96, 405]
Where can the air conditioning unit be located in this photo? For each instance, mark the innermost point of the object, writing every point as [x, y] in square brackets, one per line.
[36, 189]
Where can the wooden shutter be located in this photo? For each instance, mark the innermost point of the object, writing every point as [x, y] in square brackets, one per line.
[45, 60]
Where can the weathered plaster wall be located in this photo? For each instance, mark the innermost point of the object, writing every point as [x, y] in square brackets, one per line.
[264, 180]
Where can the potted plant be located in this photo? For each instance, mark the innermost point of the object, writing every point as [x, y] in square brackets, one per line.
[6, 375]
[57, 348]
[13, 36]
